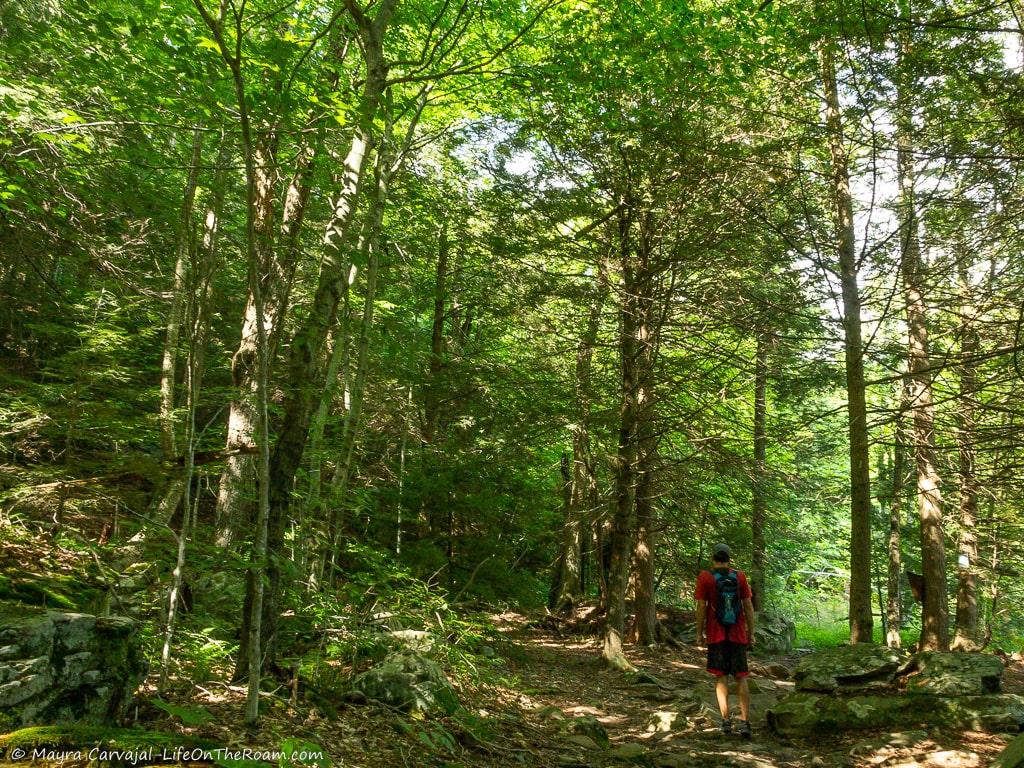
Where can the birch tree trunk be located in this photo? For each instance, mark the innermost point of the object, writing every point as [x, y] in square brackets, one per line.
[256, 245]
[278, 252]
[168, 368]
[234, 511]
[353, 416]
[170, 494]
[390, 159]
[337, 376]
[192, 271]
[304, 379]
[201, 271]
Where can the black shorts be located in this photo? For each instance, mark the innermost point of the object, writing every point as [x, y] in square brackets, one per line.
[728, 658]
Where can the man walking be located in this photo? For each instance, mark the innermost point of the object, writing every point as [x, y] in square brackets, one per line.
[726, 612]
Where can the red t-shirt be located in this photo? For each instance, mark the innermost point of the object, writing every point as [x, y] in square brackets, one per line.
[707, 592]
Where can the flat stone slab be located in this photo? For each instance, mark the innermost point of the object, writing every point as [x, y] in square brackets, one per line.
[809, 714]
[954, 674]
[849, 668]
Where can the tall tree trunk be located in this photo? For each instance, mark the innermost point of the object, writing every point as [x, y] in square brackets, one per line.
[279, 241]
[234, 511]
[861, 622]
[583, 482]
[645, 621]
[187, 275]
[935, 611]
[166, 504]
[304, 377]
[436, 363]
[255, 245]
[993, 591]
[389, 161]
[967, 547]
[168, 368]
[759, 507]
[432, 391]
[625, 459]
[407, 428]
[370, 249]
[312, 506]
[894, 605]
[200, 294]
[558, 599]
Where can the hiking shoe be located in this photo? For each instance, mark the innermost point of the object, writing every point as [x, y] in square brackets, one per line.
[726, 726]
[745, 729]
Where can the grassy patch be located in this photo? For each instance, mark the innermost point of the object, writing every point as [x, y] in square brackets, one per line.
[833, 633]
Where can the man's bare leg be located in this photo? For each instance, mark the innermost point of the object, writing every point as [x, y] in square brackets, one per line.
[744, 697]
[722, 692]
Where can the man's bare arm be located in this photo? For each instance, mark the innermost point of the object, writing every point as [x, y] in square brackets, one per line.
[748, 613]
[701, 610]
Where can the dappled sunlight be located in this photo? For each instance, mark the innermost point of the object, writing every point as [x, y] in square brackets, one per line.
[667, 713]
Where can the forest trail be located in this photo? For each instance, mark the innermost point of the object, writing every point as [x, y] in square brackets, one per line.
[562, 682]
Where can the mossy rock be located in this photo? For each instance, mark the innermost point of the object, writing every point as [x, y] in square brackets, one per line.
[808, 714]
[411, 683]
[589, 726]
[67, 668]
[56, 736]
[774, 633]
[850, 668]
[98, 746]
[54, 591]
[955, 674]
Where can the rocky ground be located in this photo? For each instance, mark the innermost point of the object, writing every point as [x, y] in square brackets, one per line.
[559, 707]
[554, 704]
[563, 682]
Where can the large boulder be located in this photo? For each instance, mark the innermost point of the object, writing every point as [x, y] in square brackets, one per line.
[954, 674]
[58, 668]
[810, 714]
[849, 669]
[774, 634]
[411, 683]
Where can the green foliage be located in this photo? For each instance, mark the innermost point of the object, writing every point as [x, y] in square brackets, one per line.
[303, 752]
[379, 592]
[538, 171]
[204, 655]
[432, 735]
[189, 716]
[830, 634]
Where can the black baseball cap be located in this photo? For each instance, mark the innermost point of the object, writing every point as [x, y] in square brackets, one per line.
[721, 553]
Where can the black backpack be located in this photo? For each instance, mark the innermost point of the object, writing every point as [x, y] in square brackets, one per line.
[727, 607]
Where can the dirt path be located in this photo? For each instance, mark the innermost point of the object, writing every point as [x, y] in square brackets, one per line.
[564, 689]
[557, 706]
